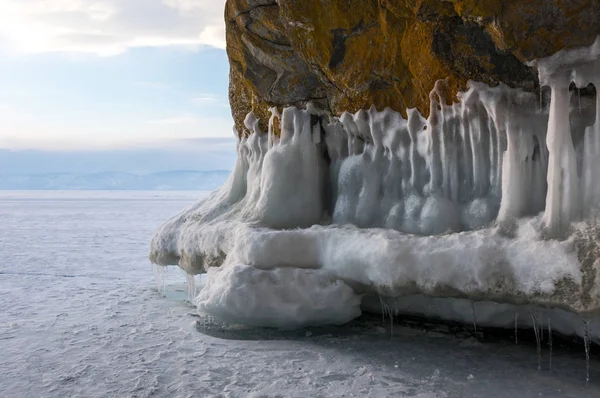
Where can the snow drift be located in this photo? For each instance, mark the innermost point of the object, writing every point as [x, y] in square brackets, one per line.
[491, 199]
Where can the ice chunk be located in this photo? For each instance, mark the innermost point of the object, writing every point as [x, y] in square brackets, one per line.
[283, 297]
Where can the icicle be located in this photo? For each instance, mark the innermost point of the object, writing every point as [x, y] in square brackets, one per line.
[191, 287]
[386, 309]
[537, 339]
[550, 342]
[391, 325]
[567, 197]
[586, 345]
[435, 125]
[156, 273]
[206, 321]
[272, 139]
[591, 161]
[516, 328]
[159, 277]
[474, 319]
[164, 282]
[562, 204]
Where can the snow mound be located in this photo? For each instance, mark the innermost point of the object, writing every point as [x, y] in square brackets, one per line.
[489, 199]
[282, 298]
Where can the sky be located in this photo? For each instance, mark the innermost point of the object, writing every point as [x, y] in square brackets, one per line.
[127, 85]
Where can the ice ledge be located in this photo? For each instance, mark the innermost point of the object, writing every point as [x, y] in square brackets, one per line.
[477, 265]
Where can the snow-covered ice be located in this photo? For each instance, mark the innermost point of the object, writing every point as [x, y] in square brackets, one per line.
[80, 316]
[284, 297]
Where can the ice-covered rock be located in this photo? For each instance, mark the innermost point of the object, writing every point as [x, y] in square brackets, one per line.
[490, 199]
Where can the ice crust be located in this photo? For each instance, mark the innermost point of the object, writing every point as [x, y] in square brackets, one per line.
[482, 201]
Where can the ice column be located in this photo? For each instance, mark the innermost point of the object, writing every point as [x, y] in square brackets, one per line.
[570, 195]
[562, 200]
[591, 160]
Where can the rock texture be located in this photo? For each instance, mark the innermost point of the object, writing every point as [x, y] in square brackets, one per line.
[345, 55]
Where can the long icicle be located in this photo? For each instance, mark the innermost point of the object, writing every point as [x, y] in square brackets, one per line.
[474, 319]
[586, 345]
[391, 325]
[382, 309]
[541, 325]
[516, 328]
[164, 281]
[550, 341]
[537, 339]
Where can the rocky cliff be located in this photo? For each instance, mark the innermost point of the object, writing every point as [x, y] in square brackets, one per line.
[492, 199]
[345, 55]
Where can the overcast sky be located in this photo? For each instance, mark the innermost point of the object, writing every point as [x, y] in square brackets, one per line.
[114, 77]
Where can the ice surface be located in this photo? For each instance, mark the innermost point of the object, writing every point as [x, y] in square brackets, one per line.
[80, 317]
[489, 199]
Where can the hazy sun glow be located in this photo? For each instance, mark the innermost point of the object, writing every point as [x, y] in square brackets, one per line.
[108, 27]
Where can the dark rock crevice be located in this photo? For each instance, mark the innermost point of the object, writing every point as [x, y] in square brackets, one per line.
[255, 7]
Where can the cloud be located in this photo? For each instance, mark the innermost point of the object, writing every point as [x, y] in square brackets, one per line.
[109, 27]
[203, 98]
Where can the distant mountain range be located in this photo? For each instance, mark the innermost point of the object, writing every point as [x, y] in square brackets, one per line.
[112, 180]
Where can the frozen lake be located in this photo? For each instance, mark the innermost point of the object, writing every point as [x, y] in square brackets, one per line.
[80, 315]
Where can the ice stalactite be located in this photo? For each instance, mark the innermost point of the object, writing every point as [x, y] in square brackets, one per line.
[572, 193]
[191, 287]
[474, 317]
[275, 116]
[159, 277]
[383, 310]
[536, 329]
[443, 174]
[524, 168]
[516, 328]
[591, 160]
[550, 342]
[563, 183]
[391, 325]
[586, 345]
[386, 309]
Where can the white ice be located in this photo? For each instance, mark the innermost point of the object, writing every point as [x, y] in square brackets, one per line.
[489, 199]
[80, 317]
[570, 194]
[283, 297]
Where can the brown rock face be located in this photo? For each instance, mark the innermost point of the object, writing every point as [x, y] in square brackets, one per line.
[345, 55]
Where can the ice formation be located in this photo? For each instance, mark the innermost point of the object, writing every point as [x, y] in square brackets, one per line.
[573, 190]
[489, 200]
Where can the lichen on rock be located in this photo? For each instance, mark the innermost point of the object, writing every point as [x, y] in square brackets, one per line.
[346, 55]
